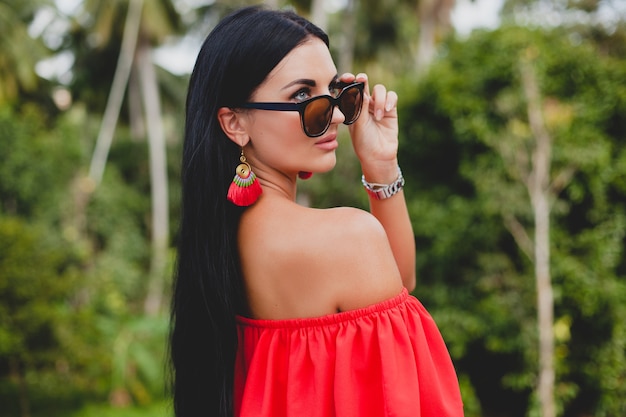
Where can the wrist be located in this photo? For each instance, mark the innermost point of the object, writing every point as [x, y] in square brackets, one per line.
[382, 191]
[380, 172]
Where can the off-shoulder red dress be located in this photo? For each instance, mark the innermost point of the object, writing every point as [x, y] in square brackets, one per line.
[385, 360]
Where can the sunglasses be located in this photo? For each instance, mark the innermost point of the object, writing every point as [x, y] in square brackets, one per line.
[316, 113]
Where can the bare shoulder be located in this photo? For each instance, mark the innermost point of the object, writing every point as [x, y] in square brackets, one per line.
[300, 262]
[365, 269]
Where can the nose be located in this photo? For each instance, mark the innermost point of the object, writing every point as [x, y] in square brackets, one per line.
[338, 117]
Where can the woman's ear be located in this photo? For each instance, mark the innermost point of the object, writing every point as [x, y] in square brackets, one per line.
[231, 123]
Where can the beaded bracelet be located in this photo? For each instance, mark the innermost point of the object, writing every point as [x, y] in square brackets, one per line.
[384, 191]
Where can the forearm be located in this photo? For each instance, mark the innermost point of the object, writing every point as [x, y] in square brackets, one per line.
[393, 214]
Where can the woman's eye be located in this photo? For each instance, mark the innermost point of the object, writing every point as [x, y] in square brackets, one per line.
[335, 90]
[302, 95]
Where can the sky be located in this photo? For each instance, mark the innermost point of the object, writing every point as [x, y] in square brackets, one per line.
[179, 56]
[468, 15]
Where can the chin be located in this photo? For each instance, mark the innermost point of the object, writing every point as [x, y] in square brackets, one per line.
[325, 168]
[320, 165]
[329, 164]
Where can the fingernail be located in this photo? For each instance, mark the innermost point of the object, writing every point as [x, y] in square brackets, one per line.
[379, 114]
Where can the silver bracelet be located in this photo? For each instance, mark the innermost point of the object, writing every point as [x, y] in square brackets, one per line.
[384, 191]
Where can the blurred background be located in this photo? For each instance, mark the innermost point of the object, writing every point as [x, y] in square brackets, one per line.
[513, 129]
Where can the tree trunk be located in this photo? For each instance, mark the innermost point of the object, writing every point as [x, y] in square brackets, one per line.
[346, 50]
[539, 190]
[116, 96]
[318, 14]
[426, 42]
[434, 18]
[272, 4]
[135, 110]
[158, 178]
[17, 374]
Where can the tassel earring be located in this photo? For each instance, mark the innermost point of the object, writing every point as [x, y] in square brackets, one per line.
[245, 189]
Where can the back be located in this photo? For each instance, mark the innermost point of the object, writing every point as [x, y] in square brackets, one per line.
[302, 262]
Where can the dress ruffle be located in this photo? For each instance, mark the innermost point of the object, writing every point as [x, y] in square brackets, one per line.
[385, 360]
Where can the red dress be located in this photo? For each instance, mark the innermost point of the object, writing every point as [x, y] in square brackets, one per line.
[385, 360]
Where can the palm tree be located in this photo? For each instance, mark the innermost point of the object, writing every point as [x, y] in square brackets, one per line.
[19, 52]
[146, 24]
[393, 30]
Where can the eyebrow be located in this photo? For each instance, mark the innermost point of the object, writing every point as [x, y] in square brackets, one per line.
[310, 83]
[306, 81]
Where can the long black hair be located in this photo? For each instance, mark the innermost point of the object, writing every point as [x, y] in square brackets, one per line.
[208, 290]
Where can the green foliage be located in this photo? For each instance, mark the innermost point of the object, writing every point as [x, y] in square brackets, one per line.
[18, 51]
[72, 271]
[160, 409]
[33, 286]
[385, 40]
[466, 143]
[137, 357]
[35, 162]
[37, 275]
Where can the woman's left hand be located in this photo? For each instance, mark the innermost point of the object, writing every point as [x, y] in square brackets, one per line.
[375, 133]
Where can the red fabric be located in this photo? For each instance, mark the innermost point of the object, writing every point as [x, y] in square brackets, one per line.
[386, 360]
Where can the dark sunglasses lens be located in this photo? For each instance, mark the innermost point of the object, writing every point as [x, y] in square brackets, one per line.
[351, 101]
[317, 116]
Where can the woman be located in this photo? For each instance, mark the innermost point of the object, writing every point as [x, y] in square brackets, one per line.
[283, 310]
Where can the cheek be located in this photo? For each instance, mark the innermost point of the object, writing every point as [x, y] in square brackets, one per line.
[281, 127]
[279, 141]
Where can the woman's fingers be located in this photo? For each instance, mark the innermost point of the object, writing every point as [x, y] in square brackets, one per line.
[383, 102]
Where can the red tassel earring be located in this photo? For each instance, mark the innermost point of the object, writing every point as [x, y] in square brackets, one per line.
[305, 175]
[245, 189]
